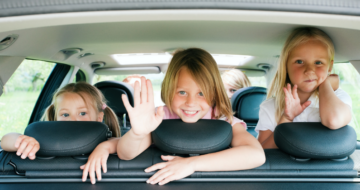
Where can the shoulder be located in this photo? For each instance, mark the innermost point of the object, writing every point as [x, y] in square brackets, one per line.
[268, 104]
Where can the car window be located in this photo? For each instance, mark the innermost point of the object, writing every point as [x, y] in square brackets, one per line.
[156, 80]
[350, 82]
[20, 94]
[258, 81]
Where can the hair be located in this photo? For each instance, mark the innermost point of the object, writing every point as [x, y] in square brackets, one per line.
[297, 37]
[95, 98]
[204, 71]
[236, 79]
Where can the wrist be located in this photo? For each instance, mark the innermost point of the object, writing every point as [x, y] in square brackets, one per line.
[285, 119]
[136, 135]
[193, 162]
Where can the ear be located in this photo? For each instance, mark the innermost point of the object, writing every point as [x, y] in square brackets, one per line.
[100, 117]
[331, 65]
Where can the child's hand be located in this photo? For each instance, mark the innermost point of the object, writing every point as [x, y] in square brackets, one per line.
[142, 117]
[293, 107]
[334, 81]
[26, 147]
[97, 159]
[175, 168]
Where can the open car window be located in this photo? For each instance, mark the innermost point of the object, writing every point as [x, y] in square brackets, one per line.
[20, 94]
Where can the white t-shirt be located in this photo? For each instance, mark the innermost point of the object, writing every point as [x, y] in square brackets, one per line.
[310, 114]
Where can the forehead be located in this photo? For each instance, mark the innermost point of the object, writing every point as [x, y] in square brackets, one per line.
[310, 47]
[69, 98]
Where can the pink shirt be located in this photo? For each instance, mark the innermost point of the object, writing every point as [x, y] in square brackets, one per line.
[168, 115]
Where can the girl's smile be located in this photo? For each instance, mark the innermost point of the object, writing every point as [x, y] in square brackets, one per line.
[189, 102]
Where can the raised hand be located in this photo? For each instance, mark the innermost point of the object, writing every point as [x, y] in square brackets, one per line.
[175, 168]
[26, 147]
[143, 118]
[293, 107]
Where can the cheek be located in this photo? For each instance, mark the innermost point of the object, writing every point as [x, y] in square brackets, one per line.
[176, 102]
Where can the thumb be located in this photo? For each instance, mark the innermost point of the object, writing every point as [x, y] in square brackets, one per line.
[167, 158]
[160, 113]
[306, 104]
[82, 167]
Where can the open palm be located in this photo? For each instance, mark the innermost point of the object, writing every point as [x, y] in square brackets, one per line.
[293, 107]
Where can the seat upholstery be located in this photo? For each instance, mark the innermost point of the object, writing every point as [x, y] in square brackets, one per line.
[113, 91]
[246, 104]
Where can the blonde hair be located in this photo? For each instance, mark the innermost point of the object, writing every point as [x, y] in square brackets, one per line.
[205, 72]
[97, 100]
[297, 37]
[236, 79]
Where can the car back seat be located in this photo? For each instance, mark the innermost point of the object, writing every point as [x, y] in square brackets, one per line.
[112, 91]
[246, 104]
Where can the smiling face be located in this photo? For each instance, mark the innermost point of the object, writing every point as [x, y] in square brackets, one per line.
[72, 107]
[189, 102]
[308, 66]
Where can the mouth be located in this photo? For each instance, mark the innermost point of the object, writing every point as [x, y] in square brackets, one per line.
[310, 80]
[190, 113]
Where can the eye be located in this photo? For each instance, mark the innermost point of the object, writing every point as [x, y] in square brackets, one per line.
[65, 115]
[182, 92]
[83, 113]
[201, 94]
[299, 61]
[318, 63]
[232, 90]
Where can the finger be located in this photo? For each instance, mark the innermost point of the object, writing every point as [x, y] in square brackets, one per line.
[98, 170]
[82, 167]
[156, 175]
[19, 140]
[22, 147]
[295, 94]
[92, 173]
[160, 113]
[103, 164]
[144, 92]
[306, 104]
[136, 93]
[156, 167]
[150, 91]
[167, 180]
[161, 176]
[289, 88]
[167, 158]
[126, 103]
[33, 151]
[85, 171]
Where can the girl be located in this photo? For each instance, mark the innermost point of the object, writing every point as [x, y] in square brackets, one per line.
[192, 89]
[74, 102]
[233, 80]
[303, 90]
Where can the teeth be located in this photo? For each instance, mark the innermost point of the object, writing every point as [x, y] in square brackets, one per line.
[190, 112]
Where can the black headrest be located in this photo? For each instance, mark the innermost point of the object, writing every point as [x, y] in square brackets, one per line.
[112, 91]
[313, 140]
[67, 138]
[246, 103]
[204, 136]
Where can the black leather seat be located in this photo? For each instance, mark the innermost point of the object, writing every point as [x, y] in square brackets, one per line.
[246, 104]
[112, 91]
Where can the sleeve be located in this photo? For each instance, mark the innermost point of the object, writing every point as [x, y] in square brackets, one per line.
[266, 116]
[343, 96]
[237, 120]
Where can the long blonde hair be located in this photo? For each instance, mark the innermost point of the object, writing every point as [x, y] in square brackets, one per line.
[236, 79]
[205, 72]
[297, 37]
[96, 100]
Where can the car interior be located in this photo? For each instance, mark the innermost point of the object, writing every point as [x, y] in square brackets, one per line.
[101, 45]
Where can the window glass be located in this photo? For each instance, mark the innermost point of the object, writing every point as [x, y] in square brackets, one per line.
[258, 81]
[20, 94]
[156, 80]
[350, 82]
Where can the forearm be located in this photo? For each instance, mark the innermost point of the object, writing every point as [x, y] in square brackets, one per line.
[334, 113]
[269, 143]
[110, 145]
[8, 142]
[131, 145]
[236, 158]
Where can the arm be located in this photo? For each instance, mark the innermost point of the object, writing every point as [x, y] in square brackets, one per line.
[23, 145]
[143, 121]
[334, 113]
[246, 153]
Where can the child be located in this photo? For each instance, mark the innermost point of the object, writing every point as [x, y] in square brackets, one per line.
[192, 89]
[233, 80]
[303, 90]
[74, 102]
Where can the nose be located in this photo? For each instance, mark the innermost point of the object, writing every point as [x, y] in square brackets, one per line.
[73, 118]
[190, 101]
[309, 68]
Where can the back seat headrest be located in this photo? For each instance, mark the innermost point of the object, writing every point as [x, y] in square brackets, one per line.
[204, 136]
[246, 103]
[313, 140]
[67, 138]
[112, 90]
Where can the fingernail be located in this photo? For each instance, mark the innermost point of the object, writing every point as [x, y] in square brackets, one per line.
[147, 181]
[146, 170]
[23, 157]
[93, 182]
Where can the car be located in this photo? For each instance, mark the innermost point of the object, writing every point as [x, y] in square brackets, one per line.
[46, 44]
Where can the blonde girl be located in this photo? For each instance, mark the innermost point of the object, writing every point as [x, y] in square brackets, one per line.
[192, 89]
[74, 102]
[233, 80]
[303, 89]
